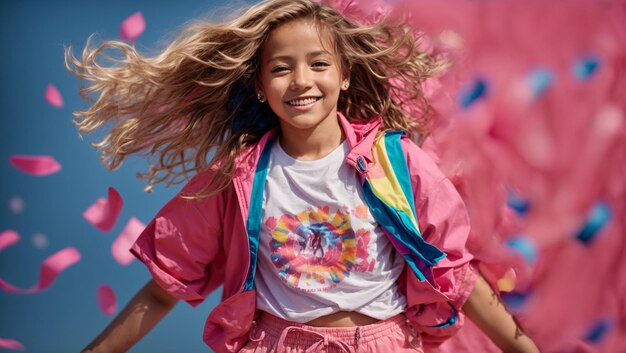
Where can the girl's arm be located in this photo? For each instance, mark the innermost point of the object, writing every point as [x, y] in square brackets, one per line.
[144, 310]
[487, 311]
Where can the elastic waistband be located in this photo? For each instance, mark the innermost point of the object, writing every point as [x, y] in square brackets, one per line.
[274, 326]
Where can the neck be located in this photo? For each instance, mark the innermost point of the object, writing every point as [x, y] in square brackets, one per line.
[314, 143]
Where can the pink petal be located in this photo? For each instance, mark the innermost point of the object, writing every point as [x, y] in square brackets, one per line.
[39, 240]
[53, 96]
[50, 269]
[125, 240]
[132, 27]
[107, 300]
[16, 204]
[11, 344]
[35, 165]
[104, 212]
[8, 238]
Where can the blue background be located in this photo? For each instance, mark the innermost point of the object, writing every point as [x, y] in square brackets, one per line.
[66, 317]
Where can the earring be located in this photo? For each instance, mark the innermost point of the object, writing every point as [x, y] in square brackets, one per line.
[346, 85]
[260, 97]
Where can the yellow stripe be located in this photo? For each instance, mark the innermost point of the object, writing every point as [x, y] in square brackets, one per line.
[388, 188]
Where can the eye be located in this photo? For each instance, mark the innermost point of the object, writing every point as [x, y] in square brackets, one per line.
[279, 69]
[320, 64]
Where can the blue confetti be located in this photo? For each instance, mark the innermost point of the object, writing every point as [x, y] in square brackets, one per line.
[586, 67]
[514, 301]
[599, 330]
[517, 203]
[473, 93]
[523, 246]
[540, 80]
[599, 217]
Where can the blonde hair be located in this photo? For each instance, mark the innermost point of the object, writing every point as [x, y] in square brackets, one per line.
[197, 96]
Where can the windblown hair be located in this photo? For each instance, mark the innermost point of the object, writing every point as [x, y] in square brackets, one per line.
[193, 106]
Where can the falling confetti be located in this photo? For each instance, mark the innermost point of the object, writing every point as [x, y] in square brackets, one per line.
[586, 67]
[8, 238]
[599, 217]
[11, 344]
[517, 203]
[16, 205]
[39, 240]
[50, 270]
[508, 282]
[524, 247]
[35, 165]
[53, 96]
[132, 27]
[598, 330]
[107, 300]
[515, 301]
[473, 93]
[121, 245]
[539, 81]
[104, 212]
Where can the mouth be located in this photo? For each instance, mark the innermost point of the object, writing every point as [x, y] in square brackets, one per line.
[303, 102]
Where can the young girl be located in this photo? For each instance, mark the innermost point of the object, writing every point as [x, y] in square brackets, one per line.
[291, 97]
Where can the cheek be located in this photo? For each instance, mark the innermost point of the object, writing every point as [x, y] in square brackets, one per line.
[332, 81]
[276, 87]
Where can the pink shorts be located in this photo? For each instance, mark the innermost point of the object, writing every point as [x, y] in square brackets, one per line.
[272, 334]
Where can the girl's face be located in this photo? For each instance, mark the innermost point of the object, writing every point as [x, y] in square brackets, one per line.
[301, 78]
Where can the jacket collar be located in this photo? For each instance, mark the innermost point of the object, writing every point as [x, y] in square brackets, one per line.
[360, 136]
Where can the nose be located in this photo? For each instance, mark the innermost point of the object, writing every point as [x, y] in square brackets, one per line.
[301, 78]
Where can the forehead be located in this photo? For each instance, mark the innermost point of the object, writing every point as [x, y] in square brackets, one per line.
[296, 38]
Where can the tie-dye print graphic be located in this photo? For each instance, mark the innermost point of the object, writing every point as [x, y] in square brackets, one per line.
[316, 249]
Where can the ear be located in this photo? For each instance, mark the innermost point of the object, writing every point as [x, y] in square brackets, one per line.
[258, 92]
[345, 81]
[345, 84]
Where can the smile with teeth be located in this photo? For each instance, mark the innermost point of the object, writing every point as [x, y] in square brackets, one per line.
[302, 102]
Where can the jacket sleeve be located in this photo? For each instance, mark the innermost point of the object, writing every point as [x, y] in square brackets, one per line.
[443, 221]
[181, 245]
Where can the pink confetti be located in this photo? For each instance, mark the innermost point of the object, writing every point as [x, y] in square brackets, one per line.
[132, 27]
[107, 300]
[40, 241]
[8, 238]
[50, 269]
[35, 165]
[104, 212]
[11, 344]
[53, 96]
[125, 240]
[16, 204]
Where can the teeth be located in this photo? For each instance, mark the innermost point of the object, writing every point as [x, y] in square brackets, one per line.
[306, 101]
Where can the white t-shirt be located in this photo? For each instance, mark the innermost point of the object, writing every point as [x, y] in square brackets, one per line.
[320, 249]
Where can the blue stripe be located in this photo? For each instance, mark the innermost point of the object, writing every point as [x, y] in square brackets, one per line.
[400, 166]
[400, 226]
[451, 321]
[255, 213]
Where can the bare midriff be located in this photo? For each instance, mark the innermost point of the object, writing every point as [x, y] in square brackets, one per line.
[342, 319]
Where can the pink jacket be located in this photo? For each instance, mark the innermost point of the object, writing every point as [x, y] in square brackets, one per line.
[193, 246]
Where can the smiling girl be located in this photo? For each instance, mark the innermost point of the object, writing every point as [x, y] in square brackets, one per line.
[292, 97]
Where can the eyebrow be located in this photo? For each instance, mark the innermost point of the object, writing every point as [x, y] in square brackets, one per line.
[309, 55]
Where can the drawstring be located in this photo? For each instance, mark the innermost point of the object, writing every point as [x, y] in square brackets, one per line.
[415, 339]
[253, 330]
[323, 341]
